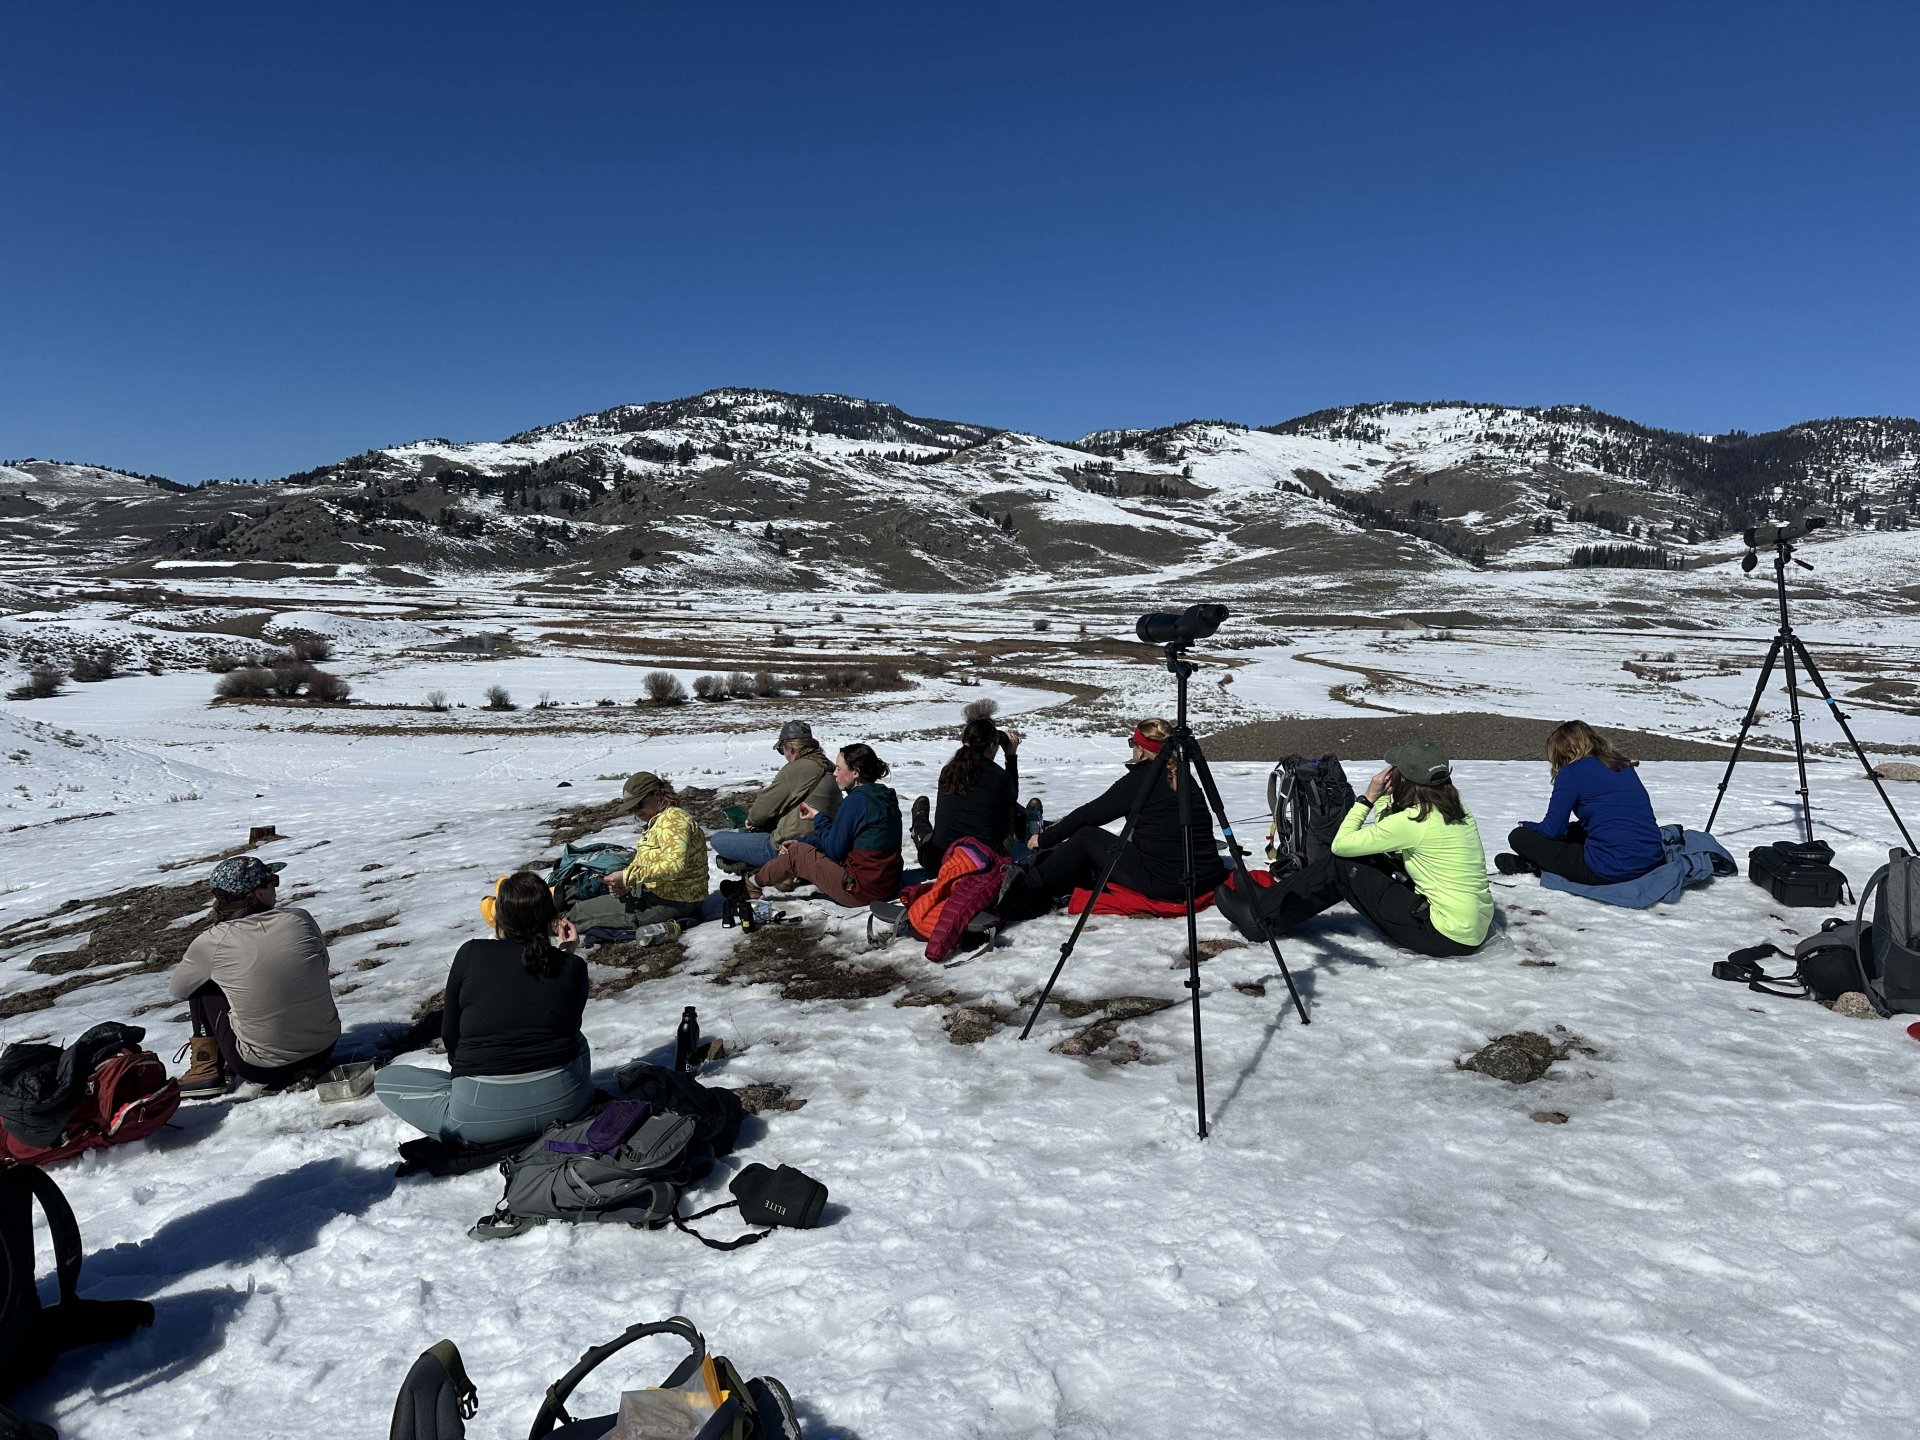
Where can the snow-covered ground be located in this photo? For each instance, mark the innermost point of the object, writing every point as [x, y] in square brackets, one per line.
[1719, 1241]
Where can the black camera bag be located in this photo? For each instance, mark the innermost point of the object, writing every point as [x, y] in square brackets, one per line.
[766, 1197]
[1798, 874]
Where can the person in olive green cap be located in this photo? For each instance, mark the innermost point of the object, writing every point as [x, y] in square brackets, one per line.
[1408, 856]
[806, 778]
[667, 879]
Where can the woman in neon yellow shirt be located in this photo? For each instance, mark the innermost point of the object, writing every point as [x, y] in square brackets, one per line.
[1441, 904]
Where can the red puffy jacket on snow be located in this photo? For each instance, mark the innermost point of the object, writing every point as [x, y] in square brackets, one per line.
[969, 882]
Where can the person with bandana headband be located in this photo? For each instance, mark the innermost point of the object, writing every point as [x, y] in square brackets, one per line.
[1074, 851]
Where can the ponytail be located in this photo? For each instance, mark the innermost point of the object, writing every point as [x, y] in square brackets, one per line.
[523, 910]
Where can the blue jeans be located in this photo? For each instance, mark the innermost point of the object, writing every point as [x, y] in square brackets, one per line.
[743, 847]
[486, 1109]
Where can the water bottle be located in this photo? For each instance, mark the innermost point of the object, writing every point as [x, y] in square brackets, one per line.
[659, 931]
[686, 1041]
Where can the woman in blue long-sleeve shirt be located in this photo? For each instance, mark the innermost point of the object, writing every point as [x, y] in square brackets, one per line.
[1599, 827]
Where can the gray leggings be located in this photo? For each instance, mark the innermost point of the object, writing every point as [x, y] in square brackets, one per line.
[486, 1109]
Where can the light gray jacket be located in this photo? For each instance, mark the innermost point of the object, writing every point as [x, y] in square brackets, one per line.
[272, 967]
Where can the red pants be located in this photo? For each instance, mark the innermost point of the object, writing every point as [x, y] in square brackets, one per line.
[808, 863]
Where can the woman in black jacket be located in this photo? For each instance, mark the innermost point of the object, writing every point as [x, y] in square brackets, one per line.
[1074, 851]
[512, 1030]
[977, 798]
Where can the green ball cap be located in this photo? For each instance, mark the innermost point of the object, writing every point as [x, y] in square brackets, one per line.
[639, 786]
[1421, 761]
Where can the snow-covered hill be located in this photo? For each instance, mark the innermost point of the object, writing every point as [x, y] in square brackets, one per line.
[778, 491]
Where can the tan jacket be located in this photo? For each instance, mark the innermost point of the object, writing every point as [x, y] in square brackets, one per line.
[776, 809]
[272, 967]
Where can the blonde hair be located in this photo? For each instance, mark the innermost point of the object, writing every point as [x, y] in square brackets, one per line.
[1576, 740]
[1154, 728]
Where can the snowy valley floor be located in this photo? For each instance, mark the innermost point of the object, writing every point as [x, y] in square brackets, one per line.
[1722, 1239]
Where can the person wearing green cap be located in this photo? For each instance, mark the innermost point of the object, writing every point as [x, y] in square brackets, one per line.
[1414, 865]
[667, 879]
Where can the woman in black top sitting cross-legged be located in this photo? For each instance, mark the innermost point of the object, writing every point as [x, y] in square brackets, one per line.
[511, 1027]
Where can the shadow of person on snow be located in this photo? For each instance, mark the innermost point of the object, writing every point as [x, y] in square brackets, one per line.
[282, 1215]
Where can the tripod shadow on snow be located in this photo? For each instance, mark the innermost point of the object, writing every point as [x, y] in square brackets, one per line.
[282, 1215]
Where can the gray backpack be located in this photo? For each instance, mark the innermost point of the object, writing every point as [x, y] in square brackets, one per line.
[576, 1172]
[1890, 947]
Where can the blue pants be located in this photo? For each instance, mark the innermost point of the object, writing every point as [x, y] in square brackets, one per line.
[743, 847]
[486, 1109]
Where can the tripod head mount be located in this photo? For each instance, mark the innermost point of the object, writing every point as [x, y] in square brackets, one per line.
[1781, 538]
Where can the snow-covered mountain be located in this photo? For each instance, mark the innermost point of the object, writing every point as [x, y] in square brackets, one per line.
[768, 489]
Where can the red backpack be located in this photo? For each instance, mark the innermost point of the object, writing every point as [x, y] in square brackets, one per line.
[128, 1096]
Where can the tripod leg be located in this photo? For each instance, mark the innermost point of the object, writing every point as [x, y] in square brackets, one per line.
[1126, 836]
[1740, 740]
[1183, 779]
[1813, 673]
[1245, 880]
[1799, 745]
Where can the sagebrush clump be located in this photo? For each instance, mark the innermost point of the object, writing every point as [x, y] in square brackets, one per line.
[42, 683]
[664, 688]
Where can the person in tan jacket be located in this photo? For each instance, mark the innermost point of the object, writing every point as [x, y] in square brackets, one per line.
[774, 817]
[255, 982]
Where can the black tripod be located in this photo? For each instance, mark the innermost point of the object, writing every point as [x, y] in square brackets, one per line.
[1788, 645]
[1190, 763]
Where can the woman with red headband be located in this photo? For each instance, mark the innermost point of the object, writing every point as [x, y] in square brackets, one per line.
[1074, 851]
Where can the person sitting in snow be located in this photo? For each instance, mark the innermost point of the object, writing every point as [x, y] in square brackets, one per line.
[978, 799]
[255, 983]
[853, 854]
[774, 816]
[1599, 827]
[667, 878]
[1074, 851]
[1414, 865]
[512, 1030]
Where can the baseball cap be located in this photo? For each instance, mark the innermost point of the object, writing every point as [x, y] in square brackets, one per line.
[242, 875]
[1421, 761]
[639, 786]
[793, 730]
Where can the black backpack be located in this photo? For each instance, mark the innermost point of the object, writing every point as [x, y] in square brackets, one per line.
[42, 1085]
[33, 1335]
[436, 1399]
[1308, 798]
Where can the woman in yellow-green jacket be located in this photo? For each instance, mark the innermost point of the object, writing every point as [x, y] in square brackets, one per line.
[1408, 856]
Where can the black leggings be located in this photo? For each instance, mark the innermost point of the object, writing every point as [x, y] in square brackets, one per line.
[1372, 885]
[1566, 857]
[1078, 861]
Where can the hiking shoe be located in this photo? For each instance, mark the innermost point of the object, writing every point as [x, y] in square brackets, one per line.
[1036, 816]
[1509, 864]
[922, 821]
[206, 1077]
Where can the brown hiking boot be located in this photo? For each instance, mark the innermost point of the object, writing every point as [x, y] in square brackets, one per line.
[206, 1077]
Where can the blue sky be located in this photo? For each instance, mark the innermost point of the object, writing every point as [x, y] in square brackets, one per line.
[247, 239]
